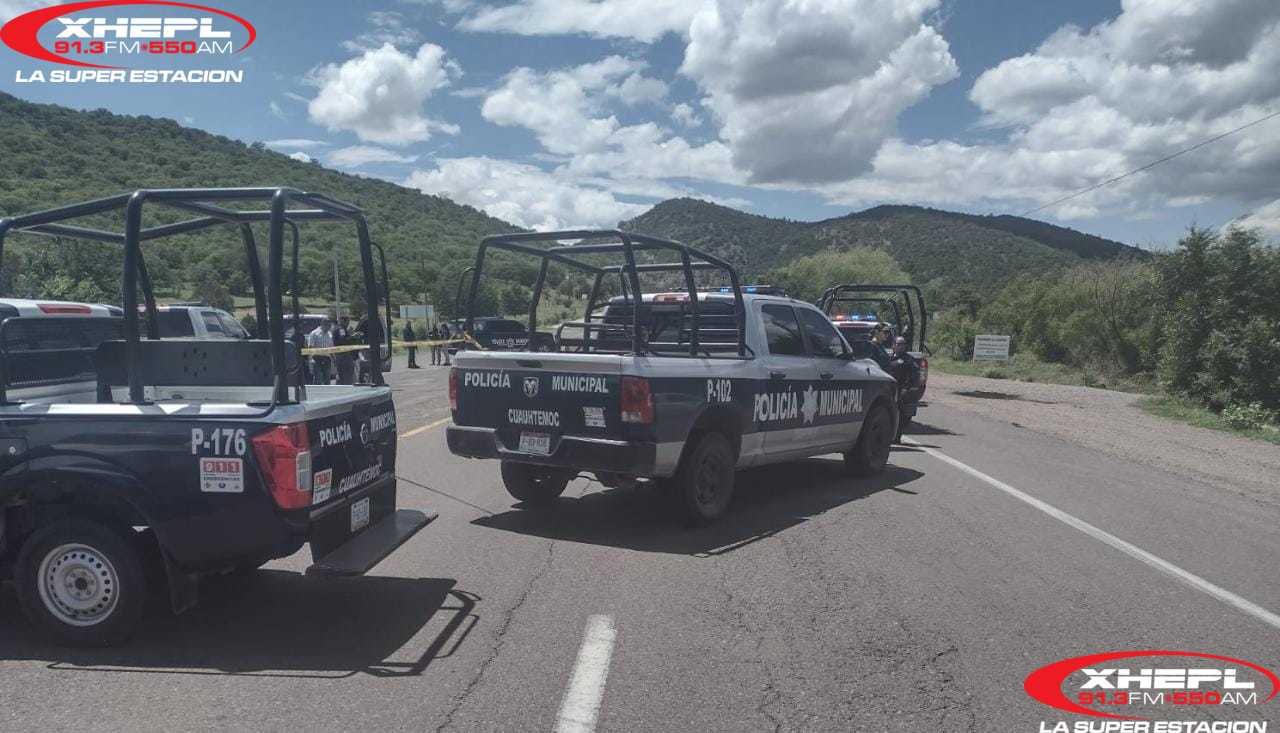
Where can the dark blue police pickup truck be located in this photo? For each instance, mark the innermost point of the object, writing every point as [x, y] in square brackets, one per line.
[128, 463]
[678, 388]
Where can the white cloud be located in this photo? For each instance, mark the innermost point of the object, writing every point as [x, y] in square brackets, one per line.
[379, 95]
[522, 194]
[295, 142]
[1091, 104]
[570, 112]
[358, 155]
[643, 21]
[685, 115]
[301, 156]
[276, 111]
[385, 27]
[806, 90]
[1265, 218]
[10, 9]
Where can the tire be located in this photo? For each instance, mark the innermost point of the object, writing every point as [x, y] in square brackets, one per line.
[82, 583]
[702, 487]
[536, 485]
[870, 453]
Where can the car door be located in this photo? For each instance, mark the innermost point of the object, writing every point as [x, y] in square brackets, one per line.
[788, 371]
[839, 392]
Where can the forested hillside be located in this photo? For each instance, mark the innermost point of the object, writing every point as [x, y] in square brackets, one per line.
[51, 155]
[947, 251]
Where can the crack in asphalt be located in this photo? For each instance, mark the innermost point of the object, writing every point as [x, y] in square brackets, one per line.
[499, 640]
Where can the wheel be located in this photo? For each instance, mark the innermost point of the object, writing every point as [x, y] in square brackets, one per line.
[703, 484]
[82, 582]
[534, 484]
[903, 423]
[870, 453]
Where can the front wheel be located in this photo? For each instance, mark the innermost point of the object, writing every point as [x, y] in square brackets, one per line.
[82, 582]
[870, 453]
[703, 484]
[532, 484]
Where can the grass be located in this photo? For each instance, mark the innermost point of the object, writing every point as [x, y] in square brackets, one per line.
[1027, 368]
[1176, 408]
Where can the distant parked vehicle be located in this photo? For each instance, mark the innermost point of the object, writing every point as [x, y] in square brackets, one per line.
[195, 321]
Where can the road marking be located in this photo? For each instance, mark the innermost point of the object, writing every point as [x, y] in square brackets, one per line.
[1164, 566]
[424, 428]
[586, 686]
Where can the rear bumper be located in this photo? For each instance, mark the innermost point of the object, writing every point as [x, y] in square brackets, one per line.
[584, 454]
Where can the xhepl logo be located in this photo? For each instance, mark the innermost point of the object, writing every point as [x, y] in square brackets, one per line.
[98, 34]
[1101, 681]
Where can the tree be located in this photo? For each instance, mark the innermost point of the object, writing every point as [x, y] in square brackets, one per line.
[807, 277]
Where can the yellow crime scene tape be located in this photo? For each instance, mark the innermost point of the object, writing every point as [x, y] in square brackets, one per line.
[332, 350]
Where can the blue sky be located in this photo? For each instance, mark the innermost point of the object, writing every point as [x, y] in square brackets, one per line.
[585, 111]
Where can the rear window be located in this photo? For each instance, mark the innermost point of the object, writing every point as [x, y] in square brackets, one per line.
[175, 324]
[669, 326]
[42, 351]
[500, 327]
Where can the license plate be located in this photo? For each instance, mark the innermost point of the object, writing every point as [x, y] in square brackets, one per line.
[539, 443]
[360, 515]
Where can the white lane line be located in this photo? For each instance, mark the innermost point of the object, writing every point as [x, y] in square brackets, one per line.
[1164, 566]
[424, 428]
[586, 686]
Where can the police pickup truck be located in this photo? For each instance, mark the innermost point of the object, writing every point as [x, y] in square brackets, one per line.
[677, 389]
[130, 463]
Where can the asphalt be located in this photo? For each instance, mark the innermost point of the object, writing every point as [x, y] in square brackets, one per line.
[917, 600]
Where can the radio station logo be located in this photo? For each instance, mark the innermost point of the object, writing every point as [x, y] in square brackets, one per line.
[1144, 688]
[129, 41]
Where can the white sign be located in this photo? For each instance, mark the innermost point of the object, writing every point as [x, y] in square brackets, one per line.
[990, 348]
[417, 312]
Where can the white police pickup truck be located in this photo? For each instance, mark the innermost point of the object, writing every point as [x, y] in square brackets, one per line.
[680, 391]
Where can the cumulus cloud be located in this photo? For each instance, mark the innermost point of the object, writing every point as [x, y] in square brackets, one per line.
[569, 111]
[379, 95]
[295, 143]
[1090, 104]
[806, 90]
[523, 194]
[358, 155]
[301, 157]
[642, 21]
[685, 115]
[1265, 218]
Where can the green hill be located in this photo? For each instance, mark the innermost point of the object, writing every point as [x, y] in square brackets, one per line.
[945, 250]
[52, 155]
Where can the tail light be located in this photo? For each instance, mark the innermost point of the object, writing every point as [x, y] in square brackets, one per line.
[453, 389]
[64, 309]
[284, 455]
[924, 370]
[637, 400]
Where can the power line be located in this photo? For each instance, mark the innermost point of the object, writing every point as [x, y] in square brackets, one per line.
[1150, 165]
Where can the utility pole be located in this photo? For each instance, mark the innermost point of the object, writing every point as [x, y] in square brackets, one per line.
[337, 290]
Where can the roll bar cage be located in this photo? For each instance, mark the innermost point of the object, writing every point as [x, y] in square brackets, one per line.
[836, 294]
[208, 205]
[611, 242]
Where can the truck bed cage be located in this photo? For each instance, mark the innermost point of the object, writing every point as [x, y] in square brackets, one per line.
[208, 206]
[626, 244]
[846, 294]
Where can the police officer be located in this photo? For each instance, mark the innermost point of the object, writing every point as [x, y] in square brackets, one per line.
[435, 348]
[409, 336]
[346, 361]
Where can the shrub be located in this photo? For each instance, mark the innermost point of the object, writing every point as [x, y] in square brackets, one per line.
[1249, 416]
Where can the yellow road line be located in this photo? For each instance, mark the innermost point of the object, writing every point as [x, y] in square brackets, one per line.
[424, 428]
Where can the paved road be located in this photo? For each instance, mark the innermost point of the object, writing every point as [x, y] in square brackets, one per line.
[918, 600]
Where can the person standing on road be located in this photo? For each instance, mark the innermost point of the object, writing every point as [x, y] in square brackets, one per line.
[344, 362]
[410, 337]
[320, 338]
[435, 348]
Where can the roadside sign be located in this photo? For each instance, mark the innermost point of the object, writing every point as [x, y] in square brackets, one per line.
[990, 348]
[417, 312]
